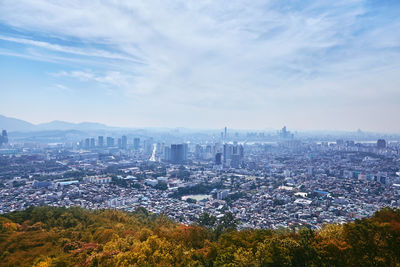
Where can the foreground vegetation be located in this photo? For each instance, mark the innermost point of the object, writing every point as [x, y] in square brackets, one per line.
[48, 236]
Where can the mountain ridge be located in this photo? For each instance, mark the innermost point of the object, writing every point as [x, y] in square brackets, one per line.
[17, 125]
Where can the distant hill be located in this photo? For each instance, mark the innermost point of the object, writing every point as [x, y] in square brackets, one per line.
[62, 125]
[17, 125]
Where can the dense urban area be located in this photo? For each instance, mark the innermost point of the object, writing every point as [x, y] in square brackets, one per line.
[273, 180]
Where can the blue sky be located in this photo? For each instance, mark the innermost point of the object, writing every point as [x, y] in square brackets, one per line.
[331, 65]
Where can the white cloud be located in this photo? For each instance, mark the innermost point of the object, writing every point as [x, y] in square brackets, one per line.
[220, 55]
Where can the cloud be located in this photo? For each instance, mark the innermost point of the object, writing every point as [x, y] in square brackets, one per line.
[219, 55]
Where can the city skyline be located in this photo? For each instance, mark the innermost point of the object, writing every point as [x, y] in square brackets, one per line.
[264, 64]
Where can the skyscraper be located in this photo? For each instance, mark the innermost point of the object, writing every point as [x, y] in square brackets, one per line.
[3, 137]
[218, 158]
[179, 153]
[381, 143]
[167, 153]
[124, 142]
[110, 142]
[241, 151]
[100, 141]
[235, 162]
[136, 143]
[92, 143]
[148, 146]
[228, 151]
[87, 143]
[119, 143]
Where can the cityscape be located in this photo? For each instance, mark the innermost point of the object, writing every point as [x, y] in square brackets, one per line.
[267, 180]
[198, 133]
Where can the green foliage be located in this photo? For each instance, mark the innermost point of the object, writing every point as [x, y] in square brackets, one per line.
[49, 236]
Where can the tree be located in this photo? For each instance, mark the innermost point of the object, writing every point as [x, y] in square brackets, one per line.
[206, 220]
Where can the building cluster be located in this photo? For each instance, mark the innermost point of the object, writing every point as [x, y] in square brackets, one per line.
[265, 185]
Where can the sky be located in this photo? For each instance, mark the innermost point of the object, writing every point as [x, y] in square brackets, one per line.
[309, 65]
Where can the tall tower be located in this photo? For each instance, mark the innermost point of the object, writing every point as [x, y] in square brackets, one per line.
[124, 142]
[3, 137]
[136, 143]
[100, 141]
[225, 132]
[179, 153]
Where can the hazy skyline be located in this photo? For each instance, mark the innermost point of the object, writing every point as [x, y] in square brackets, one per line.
[203, 64]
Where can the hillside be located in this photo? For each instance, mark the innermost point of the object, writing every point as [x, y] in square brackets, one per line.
[17, 125]
[48, 236]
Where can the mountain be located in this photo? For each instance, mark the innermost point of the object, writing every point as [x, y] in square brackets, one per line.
[62, 125]
[17, 125]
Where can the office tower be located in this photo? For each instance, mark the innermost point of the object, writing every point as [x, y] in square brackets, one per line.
[218, 158]
[381, 143]
[167, 153]
[87, 143]
[179, 153]
[235, 162]
[100, 141]
[136, 143]
[226, 130]
[110, 142]
[3, 137]
[235, 149]
[124, 142]
[148, 145]
[284, 132]
[119, 143]
[241, 151]
[228, 151]
[198, 151]
[92, 143]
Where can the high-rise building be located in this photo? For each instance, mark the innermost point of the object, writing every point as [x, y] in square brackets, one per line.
[100, 141]
[225, 132]
[136, 143]
[218, 158]
[148, 146]
[87, 143]
[228, 151]
[124, 142]
[235, 149]
[179, 153]
[119, 143]
[381, 143]
[198, 151]
[92, 143]
[167, 153]
[284, 134]
[241, 151]
[235, 162]
[3, 137]
[110, 142]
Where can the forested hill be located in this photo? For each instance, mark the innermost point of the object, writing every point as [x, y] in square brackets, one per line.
[48, 236]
